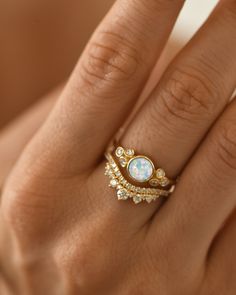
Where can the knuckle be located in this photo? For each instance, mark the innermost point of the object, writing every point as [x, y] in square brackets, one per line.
[225, 145]
[110, 59]
[187, 95]
[78, 265]
[14, 207]
[26, 211]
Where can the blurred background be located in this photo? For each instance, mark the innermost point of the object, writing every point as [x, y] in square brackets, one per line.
[42, 40]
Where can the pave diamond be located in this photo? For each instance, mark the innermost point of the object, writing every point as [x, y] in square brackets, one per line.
[149, 199]
[137, 199]
[140, 169]
[122, 194]
[113, 183]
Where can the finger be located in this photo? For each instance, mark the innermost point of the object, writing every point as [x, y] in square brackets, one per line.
[21, 130]
[106, 82]
[193, 92]
[205, 196]
[222, 257]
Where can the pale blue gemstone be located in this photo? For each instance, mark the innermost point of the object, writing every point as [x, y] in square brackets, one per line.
[140, 169]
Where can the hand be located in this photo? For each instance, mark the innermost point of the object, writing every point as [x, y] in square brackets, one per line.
[69, 234]
[15, 136]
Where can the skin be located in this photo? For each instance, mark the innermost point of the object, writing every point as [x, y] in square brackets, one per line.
[40, 44]
[64, 224]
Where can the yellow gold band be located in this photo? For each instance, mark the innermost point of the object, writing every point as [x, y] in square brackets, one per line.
[126, 190]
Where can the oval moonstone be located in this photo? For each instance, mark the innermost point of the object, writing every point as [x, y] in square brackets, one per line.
[140, 169]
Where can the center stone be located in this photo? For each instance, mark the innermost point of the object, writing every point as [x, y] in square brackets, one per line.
[140, 169]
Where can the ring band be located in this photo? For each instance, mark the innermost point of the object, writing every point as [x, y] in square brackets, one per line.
[126, 190]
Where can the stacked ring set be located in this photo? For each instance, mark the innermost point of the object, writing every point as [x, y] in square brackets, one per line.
[135, 177]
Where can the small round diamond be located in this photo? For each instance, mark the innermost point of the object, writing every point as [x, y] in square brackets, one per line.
[129, 152]
[119, 151]
[154, 182]
[123, 161]
[113, 183]
[160, 173]
[140, 169]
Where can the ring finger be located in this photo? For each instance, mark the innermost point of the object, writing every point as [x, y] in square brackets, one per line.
[193, 92]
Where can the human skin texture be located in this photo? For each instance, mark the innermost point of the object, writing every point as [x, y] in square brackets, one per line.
[65, 225]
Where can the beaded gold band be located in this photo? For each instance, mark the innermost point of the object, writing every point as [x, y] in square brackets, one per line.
[126, 190]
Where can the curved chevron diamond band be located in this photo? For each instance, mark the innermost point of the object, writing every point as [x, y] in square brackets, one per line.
[126, 190]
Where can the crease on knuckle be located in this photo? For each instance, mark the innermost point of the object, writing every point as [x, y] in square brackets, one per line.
[187, 96]
[109, 60]
[78, 264]
[23, 207]
[154, 117]
[226, 146]
[14, 207]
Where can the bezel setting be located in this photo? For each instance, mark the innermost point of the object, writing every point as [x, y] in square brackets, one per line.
[125, 190]
[148, 161]
[154, 178]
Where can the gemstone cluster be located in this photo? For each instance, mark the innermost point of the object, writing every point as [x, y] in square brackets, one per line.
[141, 169]
[125, 190]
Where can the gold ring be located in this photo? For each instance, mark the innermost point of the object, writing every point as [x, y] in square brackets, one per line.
[141, 169]
[127, 190]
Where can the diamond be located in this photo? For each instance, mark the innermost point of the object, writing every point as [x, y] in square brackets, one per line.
[123, 161]
[110, 173]
[137, 199]
[160, 173]
[118, 173]
[139, 190]
[129, 186]
[119, 151]
[129, 152]
[135, 189]
[122, 194]
[149, 199]
[140, 169]
[154, 182]
[113, 183]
